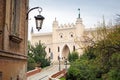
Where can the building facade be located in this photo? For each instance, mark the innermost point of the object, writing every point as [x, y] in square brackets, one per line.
[62, 40]
[13, 39]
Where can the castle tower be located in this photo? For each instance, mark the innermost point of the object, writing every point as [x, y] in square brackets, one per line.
[54, 39]
[79, 25]
[62, 39]
[55, 26]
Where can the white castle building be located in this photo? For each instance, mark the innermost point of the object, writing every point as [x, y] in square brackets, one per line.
[61, 41]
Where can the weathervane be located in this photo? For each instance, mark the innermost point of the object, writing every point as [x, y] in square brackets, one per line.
[79, 13]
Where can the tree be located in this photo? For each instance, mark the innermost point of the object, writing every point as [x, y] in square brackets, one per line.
[73, 56]
[100, 61]
[37, 55]
[30, 61]
[118, 19]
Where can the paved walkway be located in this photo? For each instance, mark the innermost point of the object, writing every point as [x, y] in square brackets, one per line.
[46, 73]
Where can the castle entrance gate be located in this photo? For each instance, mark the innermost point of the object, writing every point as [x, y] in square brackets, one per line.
[65, 51]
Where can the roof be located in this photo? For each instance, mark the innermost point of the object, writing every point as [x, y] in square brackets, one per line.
[42, 34]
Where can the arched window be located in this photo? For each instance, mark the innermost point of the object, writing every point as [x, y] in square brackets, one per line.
[61, 35]
[71, 34]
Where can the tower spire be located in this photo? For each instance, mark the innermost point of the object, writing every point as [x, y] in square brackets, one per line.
[79, 13]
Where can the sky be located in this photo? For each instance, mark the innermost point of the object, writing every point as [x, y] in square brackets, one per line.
[66, 11]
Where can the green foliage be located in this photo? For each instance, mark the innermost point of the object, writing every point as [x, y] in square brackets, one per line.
[31, 63]
[37, 56]
[62, 78]
[114, 74]
[100, 61]
[73, 56]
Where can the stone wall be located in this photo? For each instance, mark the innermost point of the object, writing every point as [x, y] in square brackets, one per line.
[2, 21]
[13, 48]
[12, 68]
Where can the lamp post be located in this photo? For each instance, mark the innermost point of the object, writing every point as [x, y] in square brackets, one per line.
[59, 63]
[39, 18]
[66, 63]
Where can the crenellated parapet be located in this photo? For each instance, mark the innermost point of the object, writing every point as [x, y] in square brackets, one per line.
[66, 26]
[78, 24]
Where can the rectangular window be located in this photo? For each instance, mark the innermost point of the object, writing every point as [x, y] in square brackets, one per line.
[58, 49]
[49, 50]
[15, 17]
[73, 48]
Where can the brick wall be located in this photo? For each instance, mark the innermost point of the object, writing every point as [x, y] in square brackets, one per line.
[58, 74]
[33, 72]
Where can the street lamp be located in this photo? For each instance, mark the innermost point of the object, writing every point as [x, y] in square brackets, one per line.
[38, 19]
[59, 63]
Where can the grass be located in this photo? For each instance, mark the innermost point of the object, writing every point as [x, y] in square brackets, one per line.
[62, 78]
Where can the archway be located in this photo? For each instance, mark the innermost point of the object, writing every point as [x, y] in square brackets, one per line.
[65, 51]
